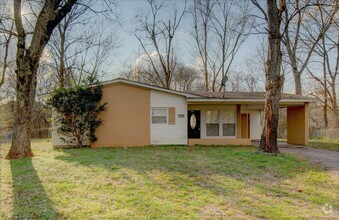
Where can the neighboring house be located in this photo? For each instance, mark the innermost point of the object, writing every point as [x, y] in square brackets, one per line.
[139, 115]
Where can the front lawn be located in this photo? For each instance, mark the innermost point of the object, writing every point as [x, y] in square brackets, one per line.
[163, 183]
[323, 143]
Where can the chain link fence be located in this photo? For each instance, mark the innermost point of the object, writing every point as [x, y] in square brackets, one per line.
[42, 133]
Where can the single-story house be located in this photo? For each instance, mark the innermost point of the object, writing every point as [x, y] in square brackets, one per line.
[139, 115]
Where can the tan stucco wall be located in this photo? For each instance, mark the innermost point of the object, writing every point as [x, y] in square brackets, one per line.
[298, 125]
[219, 141]
[238, 121]
[126, 122]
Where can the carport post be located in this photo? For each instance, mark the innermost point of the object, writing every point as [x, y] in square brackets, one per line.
[298, 124]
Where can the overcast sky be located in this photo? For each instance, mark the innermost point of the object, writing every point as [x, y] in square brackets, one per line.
[130, 47]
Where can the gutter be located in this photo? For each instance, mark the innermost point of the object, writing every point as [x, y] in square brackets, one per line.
[189, 100]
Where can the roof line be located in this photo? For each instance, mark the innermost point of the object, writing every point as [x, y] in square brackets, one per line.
[246, 100]
[144, 85]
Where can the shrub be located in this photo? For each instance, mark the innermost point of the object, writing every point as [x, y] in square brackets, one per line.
[77, 110]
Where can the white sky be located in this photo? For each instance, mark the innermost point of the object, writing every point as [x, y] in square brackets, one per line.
[130, 49]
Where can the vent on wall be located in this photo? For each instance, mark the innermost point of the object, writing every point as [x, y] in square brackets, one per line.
[181, 115]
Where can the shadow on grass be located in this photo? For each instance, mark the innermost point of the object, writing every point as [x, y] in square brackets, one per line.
[197, 159]
[239, 164]
[30, 199]
[235, 173]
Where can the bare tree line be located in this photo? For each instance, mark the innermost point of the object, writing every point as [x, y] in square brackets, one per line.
[218, 34]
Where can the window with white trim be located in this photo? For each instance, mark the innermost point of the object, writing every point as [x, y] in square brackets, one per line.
[159, 115]
[220, 123]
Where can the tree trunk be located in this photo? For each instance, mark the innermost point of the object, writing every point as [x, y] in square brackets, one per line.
[325, 99]
[268, 142]
[297, 82]
[214, 81]
[21, 140]
[27, 62]
[335, 107]
[274, 80]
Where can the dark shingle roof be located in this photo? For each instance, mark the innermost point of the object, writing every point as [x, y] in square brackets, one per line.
[248, 95]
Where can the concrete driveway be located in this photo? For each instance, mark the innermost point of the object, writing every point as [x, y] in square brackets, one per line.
[326, 158]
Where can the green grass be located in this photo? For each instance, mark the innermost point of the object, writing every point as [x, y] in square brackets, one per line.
[323, 143]
[163, 183]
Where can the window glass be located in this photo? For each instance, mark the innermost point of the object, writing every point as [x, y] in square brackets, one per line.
[228, 122]
[212, 116]
[159, 115]
[228, 129]
[228, 116]
[212, 123]
[212, 129]
[193, 121]
[223, 119]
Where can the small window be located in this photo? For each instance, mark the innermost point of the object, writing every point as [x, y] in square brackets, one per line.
[159, 115]
[193, 121]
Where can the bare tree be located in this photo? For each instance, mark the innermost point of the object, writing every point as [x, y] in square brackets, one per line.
[6, 36]
[156, 37]
[5, 61]
[299, 30]
[327, 51]
[202, 11]
[32, 34]
[185, 78]
[274, 80]
[253, 74]
[234, 82]
[80, 47]
[59, 45]
[220, 28]
[27, 62]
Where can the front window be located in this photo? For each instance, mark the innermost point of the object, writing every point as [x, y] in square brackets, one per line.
[212, 123]
[159, 115]
[228, 122]
[220, 123]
